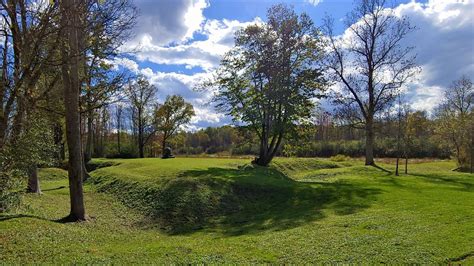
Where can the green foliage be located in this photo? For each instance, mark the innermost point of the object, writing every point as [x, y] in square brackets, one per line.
[270, 78]
[171, 115]
[33, 147]
[455, 121]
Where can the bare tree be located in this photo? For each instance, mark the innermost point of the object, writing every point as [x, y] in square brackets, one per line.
[370, 63]
[118, 117]
[140, 94]
[109, 24]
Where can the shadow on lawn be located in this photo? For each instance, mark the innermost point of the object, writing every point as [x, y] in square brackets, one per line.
[6, 217]
[249, 200]
[443, 179]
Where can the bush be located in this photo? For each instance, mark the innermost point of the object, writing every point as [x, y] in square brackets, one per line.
[10, 189]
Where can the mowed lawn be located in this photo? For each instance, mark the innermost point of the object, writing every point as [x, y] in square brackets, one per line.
[201, 210]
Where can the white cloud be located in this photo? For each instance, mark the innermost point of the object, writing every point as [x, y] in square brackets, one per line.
[126, 63]
[444, 43]
[314, 2]
[206, 53]
[163, 21]
[444, 40]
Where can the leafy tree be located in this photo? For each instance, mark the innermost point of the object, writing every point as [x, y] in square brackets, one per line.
[371, 64]
[270, 78]
[170, 116]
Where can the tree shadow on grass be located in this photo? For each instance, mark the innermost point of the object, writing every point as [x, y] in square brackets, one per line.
[381, 168]
[53, 189]
[443, 179]
[6, 217]
[249, 200]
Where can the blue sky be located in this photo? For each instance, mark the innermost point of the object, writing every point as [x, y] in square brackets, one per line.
[178, 43]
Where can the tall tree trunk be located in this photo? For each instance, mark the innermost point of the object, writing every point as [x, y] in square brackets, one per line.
[369, 142]
[141, 145]
[472, 155]
[118, 141]
[472, 144]
[119, 129]
[399, 133]
[70, 21]
[396, 167]
[33, 180]
[141, 152]
[58, 141]
[406, 164]
[163, 145]
[90, 132]
[3, 129]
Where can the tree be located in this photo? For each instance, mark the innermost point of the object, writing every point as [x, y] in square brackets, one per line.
[26, 32]
[455, 119]
[71, 18]
[170, 116]
[370, 63]
[403, 113]
[140, 94]
[407, 133]
[270, 77]
[109, 24]
[118, 117]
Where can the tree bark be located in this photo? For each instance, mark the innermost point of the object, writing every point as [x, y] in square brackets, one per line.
[70, 72]
[119, 128]
[369, 142]
[396, 167]
[33, 180]
[268, 152]
[163, 145]
[141, 145]
[90, 132]
[406, 165]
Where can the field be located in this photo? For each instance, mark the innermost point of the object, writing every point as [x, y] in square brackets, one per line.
[204, 210]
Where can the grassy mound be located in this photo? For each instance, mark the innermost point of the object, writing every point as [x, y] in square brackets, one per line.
[185, 194]
[347, 214]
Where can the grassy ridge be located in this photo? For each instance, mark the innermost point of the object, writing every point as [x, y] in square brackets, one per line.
[186, 194]
[295, 212]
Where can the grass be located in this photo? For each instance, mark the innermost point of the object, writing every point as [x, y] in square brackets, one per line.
[192, 210]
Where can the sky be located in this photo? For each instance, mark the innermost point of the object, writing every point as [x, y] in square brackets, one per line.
[178, 43]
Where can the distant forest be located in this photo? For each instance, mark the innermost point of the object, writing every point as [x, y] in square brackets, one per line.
[326, 135]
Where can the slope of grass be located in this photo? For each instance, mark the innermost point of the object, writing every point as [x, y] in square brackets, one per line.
[298, 210]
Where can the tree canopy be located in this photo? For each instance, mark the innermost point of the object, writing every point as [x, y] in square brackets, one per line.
[269, 80]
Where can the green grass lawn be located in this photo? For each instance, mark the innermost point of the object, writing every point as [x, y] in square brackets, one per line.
[196, 210]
